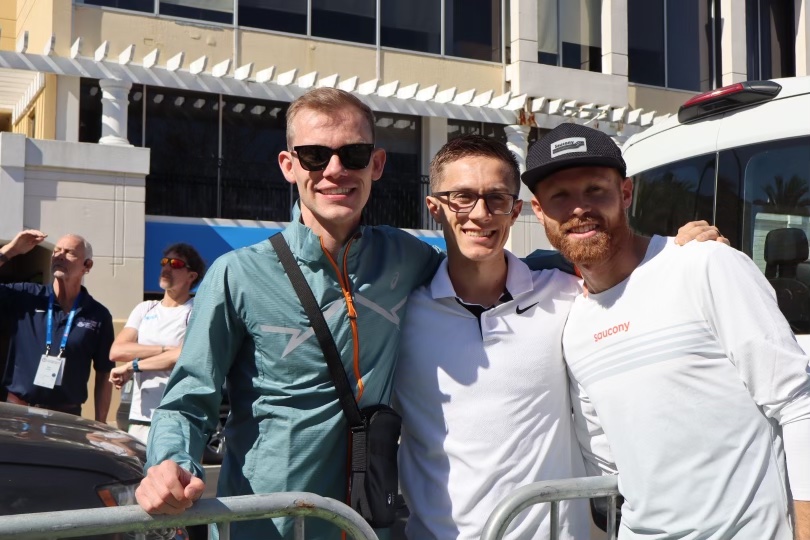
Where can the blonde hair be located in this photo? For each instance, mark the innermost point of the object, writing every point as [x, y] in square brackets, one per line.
[326, 101]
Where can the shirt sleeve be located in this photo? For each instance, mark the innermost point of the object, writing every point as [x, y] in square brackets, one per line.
[591, 437]
[741, 308]
[189, 409]
[106, 336]
[546, 259]
[137, 315]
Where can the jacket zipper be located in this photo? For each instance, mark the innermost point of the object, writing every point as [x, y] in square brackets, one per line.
[345, 286]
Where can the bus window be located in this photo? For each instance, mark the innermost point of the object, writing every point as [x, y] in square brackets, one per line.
[669, 196]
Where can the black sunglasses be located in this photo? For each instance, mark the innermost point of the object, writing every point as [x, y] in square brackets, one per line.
[314, 157]
[175, 263]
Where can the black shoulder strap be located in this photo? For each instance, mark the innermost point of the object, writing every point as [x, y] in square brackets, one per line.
[322, 331]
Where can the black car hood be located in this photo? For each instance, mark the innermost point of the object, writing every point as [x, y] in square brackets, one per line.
[39, 437]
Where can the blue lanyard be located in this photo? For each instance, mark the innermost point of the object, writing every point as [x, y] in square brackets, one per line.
[49, 324]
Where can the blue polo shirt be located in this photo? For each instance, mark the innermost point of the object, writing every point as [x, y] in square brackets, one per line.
[24, 311]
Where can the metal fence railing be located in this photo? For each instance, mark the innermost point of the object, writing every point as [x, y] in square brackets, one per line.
[82, 523]
[553, 492]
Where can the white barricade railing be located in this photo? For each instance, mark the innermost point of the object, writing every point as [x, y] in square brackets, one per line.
[80, 523]
[553, 491]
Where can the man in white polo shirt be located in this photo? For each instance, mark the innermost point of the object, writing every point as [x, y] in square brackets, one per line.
[484, 409]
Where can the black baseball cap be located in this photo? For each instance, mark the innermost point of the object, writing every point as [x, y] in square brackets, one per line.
[571, 145]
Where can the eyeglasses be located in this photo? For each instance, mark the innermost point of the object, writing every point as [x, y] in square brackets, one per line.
[314, 157]
[462, 202]
[175, 263]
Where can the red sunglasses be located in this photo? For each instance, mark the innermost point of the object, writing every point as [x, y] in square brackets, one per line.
[175, 263]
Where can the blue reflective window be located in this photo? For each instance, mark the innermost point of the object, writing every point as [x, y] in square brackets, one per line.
[345, 20]
[473, 29]
[280, 15]
[414, 25]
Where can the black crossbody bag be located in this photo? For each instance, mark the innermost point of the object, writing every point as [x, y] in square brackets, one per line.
[374, 431]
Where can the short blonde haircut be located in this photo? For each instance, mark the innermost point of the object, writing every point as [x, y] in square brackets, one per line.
[326, 101]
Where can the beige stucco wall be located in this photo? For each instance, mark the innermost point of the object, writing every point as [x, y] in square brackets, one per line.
[41, 19]
[147, 33]
[661, 100]
[446, 72]
[8, 23]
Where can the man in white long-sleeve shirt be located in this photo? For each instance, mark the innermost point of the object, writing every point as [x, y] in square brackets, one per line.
[701, 391]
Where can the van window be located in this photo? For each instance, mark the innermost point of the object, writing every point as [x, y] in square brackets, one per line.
[776, 190]
[669, 196]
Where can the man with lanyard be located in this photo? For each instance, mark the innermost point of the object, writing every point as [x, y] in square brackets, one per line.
[57, 331]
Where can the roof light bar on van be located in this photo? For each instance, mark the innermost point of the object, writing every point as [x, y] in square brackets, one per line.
[727, 98]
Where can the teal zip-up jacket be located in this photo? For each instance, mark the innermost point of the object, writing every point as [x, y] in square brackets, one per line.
[287, 431]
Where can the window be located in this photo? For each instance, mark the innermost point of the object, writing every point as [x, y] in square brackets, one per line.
[220, 11]
[414, 25]
[281, 15]
[473, 29]
[147, 6]
[346, 20]
[569, 33]
[770, 39]
[674, 44]
[669, 196]
[252, 186]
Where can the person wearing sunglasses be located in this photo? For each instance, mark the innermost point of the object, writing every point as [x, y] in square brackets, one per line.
[148, 346]
[287, 430]
[46, 369]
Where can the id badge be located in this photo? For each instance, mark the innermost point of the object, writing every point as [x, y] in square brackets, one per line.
[49, 373]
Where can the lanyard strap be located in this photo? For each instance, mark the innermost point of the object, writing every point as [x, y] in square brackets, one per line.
[49, 324]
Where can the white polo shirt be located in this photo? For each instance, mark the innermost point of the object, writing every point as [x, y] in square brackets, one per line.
[486, 410]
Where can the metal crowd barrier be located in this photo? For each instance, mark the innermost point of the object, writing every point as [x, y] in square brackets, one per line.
[80, 523]
[553, 492]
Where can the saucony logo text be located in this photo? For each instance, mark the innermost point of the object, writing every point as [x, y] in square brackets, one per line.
[621, 327]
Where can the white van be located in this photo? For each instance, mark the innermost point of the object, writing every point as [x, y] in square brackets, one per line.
[738, 157]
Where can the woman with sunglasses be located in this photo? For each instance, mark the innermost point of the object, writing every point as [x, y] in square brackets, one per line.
[149, 344]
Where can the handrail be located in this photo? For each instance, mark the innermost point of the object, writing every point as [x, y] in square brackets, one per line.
[552, 492]
[79, 523]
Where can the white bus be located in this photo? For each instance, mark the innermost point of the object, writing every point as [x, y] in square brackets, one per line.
[738, 157]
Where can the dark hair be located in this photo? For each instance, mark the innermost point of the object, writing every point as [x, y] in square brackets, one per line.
[328, 101]
[189, 254]
[473, 146]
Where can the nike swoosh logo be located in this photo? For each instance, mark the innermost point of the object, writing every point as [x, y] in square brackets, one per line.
[524, 310]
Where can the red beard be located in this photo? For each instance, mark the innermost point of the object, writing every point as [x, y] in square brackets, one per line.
[587, 251]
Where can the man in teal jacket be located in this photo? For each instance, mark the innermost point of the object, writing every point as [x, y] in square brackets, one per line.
[287, 430]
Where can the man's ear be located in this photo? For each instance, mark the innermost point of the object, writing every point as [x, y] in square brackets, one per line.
[516, 211]
[434, 207]
[285, 163]
[627, 192]
[538, 211]
[88, 264]
[377, 163]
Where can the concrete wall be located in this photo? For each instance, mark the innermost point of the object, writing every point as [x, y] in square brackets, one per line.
[653, 98]
[8, 23]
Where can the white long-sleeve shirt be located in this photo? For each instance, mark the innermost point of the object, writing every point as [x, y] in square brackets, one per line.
[696, 378]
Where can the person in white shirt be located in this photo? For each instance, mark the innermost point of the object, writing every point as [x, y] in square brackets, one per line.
[686, 377]
[149, 344]
[485, 410]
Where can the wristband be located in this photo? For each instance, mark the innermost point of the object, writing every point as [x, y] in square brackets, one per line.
[135, 367]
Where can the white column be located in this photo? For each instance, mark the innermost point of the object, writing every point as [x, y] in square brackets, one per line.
[517, 140]
[12, 184]
[802, 37]
[114, 105]
[67, 108]
[434, 136]
[733, 43]
[614, 37]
